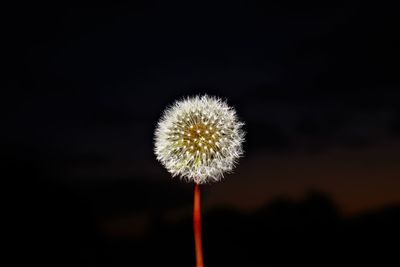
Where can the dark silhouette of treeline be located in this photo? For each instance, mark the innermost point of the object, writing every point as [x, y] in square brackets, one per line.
[52, 222]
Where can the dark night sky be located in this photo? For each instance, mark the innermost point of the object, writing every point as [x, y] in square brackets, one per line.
[315, 82]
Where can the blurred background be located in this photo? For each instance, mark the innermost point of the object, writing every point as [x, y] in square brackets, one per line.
[315, 82]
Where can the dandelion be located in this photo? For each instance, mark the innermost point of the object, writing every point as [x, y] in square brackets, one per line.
[215, 136]
[199, 121]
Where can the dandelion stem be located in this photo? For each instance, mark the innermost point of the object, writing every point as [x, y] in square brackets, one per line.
[197, 227]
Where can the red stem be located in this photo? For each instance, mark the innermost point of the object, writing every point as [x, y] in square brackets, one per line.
[197, 227]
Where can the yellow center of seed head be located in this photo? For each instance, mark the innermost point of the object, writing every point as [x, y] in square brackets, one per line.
[198, 134]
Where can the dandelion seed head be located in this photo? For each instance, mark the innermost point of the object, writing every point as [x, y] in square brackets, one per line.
[204, 160]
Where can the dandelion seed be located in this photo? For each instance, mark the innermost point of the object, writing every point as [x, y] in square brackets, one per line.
[196, 109]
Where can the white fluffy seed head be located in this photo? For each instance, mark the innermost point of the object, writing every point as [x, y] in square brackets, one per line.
[199, 139]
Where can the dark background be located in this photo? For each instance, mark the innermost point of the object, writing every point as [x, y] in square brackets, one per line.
[316, 83]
